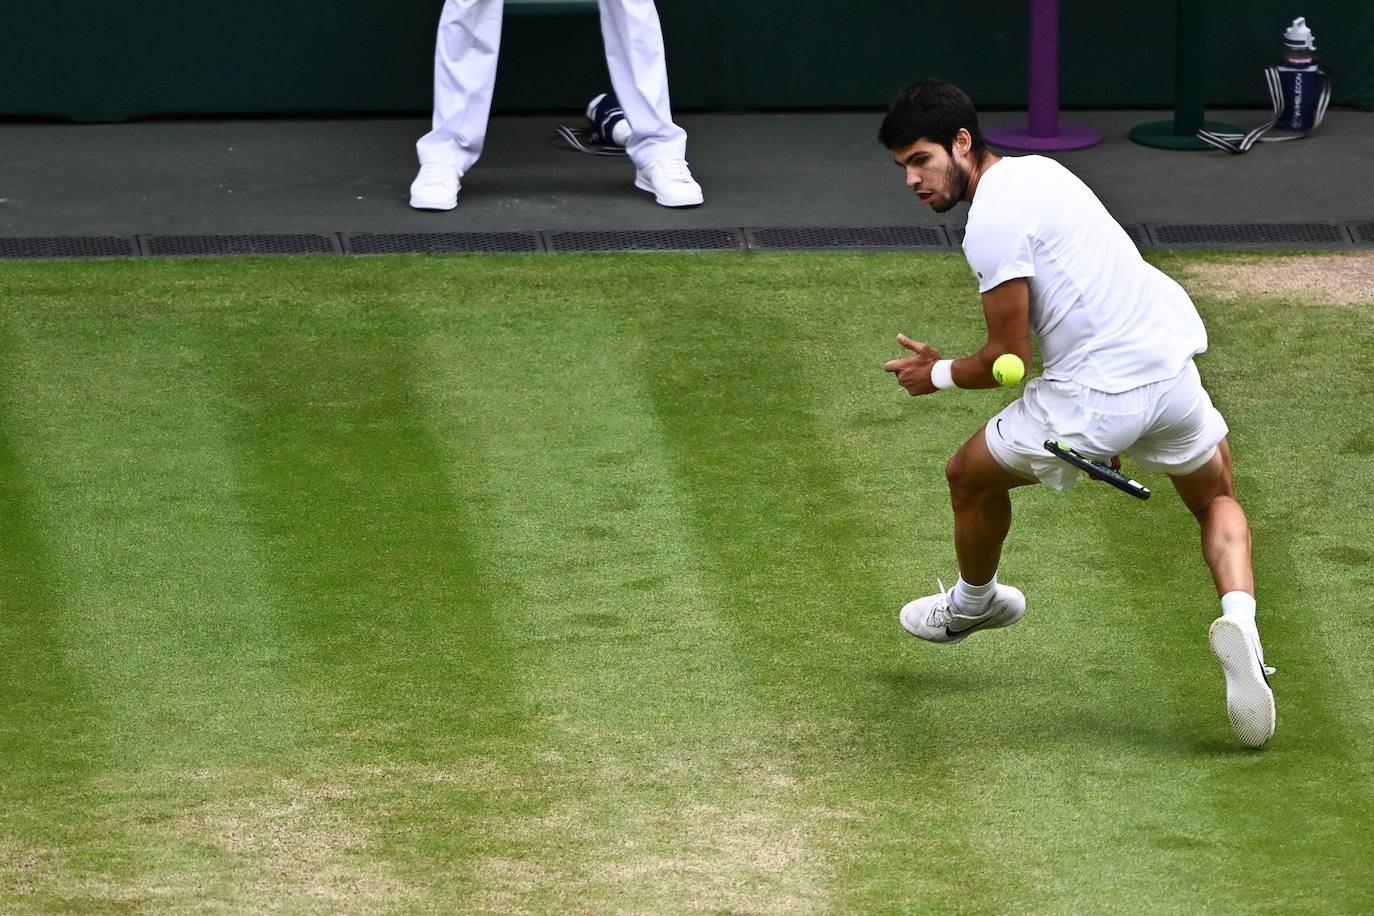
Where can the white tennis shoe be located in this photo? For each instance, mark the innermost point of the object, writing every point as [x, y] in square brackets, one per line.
[436, 187]
[671, 183]
[1249, 701]
[936, 619]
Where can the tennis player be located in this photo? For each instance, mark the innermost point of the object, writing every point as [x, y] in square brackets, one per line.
[1117, 340]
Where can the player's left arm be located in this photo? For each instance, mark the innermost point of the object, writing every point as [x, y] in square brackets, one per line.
[1006, 308]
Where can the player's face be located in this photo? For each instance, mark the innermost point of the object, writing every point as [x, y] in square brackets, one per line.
[937, 178]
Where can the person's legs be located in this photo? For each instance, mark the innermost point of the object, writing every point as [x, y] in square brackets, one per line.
[638, 66]
[639, 75]
[978, 488]
[466, 48]
[1210, 495]
[979, 492]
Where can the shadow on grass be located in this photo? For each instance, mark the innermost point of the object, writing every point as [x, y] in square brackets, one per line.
[922, 683]
[1018, 705]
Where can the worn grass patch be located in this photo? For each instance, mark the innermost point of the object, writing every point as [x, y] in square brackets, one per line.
[1308, 279]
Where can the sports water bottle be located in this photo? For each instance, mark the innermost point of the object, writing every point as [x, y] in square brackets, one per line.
[1299, 78]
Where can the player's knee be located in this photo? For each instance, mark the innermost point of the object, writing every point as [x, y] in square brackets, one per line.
[952, 470]
[1227, 502]
[958, 478]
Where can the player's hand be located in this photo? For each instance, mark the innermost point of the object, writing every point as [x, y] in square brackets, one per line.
[1116, 463]
[913, 372]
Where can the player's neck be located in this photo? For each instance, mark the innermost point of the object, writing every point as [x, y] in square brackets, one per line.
[976, 173]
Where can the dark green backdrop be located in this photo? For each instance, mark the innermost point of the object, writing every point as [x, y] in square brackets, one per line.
[112, 61]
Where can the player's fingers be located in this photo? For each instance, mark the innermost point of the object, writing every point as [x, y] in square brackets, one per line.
[894, 365]
[915, 346]
[1116, 462]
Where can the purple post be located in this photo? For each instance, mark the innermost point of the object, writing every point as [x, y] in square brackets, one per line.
[1043, 131]
[1044, 68]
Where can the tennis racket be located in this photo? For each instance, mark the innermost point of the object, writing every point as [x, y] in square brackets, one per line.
[1097, 470]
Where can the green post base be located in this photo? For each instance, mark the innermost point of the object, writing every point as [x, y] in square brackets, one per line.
[1161, 135]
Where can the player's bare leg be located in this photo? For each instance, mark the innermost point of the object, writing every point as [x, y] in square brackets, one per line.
[978, 488]
[979, 492]
[1209, 492]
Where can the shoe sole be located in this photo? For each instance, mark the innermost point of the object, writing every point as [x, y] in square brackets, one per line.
[992, 623]
[439, 208]
[700, 199]
[1249, 701]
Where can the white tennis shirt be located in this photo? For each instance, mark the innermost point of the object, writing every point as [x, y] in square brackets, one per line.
[1104, 317]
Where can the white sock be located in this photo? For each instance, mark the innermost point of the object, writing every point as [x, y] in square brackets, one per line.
[1239, 606]
[972, 600]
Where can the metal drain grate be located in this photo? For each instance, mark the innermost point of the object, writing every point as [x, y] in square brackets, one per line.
[846, 238]
[77, 246]
[160, 245]
[882, 238]
[1271, 234]
[645, 240]
[440, 242]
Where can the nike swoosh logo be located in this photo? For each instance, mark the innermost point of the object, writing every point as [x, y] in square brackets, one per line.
[999, 430]
[977, 626]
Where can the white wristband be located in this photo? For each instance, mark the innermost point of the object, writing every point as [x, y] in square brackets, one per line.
[942, 374]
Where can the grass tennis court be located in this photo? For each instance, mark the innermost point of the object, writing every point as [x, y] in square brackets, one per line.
[569, 584]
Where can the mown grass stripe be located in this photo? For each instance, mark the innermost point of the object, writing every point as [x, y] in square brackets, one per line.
[1317, 766]
[174, 632]
[160, 612]
[50, 723]
[781, 508]
[346, 486]
[668, 786]
[41, 694]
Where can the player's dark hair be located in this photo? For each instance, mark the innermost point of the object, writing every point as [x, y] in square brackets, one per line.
[933, 110]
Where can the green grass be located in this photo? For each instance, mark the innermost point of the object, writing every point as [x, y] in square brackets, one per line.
[551, 584]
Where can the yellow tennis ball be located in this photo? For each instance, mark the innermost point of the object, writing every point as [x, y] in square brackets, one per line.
[1008, 369]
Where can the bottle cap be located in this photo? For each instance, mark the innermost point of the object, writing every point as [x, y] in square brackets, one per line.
[1299, 35]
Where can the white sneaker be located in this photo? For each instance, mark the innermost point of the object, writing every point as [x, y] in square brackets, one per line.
[935, 618]
[436, 187]
[671, 183]
[1249, 701]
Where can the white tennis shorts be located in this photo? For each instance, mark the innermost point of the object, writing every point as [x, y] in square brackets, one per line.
[1169, 426]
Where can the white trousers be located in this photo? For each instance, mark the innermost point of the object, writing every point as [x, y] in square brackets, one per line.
[465, 75]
